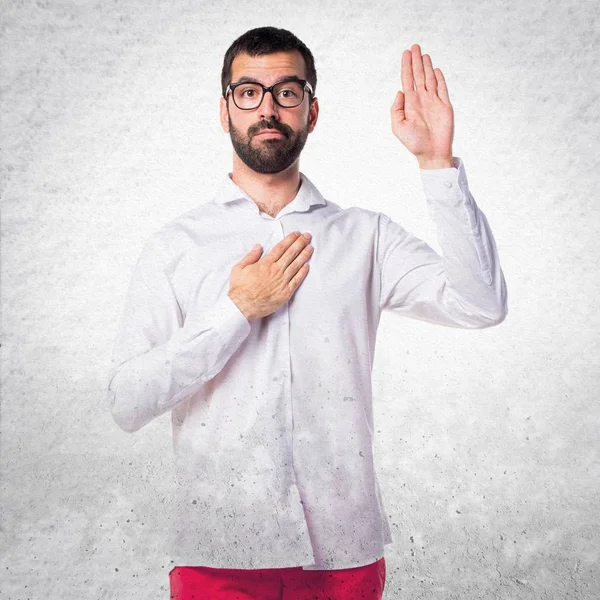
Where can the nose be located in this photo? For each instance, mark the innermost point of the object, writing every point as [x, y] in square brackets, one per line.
[268, 108]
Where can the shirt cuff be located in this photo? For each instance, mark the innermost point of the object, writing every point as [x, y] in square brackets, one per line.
[225, 317]
[446, 186]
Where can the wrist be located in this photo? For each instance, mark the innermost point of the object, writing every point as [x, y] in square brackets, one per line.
[242, 307]
[436, 163]
[240, 304]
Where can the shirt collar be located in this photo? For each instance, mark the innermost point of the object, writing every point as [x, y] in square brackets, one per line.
[308, 195]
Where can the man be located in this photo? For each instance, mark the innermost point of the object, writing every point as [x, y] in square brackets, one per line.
[263, 355]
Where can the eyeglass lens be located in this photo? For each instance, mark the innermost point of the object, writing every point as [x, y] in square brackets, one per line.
[286, 93]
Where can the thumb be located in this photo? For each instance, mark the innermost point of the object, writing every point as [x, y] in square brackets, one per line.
[251, 256]
[398, 106]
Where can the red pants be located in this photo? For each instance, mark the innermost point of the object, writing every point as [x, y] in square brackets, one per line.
[291, 583]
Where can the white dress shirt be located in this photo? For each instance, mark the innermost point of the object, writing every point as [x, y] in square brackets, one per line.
[272, 419]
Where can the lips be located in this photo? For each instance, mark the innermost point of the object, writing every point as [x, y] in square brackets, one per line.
[270, 133]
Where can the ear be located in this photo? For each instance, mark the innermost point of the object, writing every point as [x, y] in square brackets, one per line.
[224, 114]
[313, 115]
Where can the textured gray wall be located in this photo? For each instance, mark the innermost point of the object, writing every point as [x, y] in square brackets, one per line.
[487, 441]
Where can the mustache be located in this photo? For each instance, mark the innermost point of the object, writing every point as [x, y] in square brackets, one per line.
[255, 129]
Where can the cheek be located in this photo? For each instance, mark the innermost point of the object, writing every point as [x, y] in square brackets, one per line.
[242, 123]
[235, 127]
[302, 122]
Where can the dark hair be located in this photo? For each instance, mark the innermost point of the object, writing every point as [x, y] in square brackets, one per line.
[266, 40]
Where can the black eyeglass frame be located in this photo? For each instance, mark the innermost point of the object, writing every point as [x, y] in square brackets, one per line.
[265, 89]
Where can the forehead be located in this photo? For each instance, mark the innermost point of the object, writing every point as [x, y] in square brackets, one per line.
[268, 67]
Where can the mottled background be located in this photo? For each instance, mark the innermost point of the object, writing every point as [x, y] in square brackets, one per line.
[488, 440]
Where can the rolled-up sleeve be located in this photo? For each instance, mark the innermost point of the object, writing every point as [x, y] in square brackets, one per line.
[161, 357]
[465, 287]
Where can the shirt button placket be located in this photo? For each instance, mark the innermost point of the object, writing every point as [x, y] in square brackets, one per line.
[287, 378]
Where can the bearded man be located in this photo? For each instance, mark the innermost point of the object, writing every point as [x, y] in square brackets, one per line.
[252, 318]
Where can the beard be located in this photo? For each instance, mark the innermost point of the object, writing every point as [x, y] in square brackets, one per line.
[268, 155]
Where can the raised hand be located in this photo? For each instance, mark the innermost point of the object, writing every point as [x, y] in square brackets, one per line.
[422, 115]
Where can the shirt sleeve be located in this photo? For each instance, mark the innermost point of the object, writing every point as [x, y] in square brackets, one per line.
[161, 357]
[463, 288]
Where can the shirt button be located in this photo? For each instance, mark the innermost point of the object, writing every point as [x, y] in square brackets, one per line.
[448, 184]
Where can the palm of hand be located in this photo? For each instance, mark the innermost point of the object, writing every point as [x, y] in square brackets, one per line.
[422, 116]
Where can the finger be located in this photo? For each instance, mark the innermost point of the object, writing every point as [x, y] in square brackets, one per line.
[292, 252]
[442, 88]
[299, 262]
[397, 108]
[250, 257]
[417, 67]
[280, 248]
[408, 83]
[298, 278]
[430, 80]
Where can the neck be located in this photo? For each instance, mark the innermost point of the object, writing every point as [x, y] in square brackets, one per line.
[270, 191]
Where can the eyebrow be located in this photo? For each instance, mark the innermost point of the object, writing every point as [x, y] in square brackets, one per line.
[252, 80]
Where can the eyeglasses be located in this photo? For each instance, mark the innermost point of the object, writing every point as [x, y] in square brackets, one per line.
[248, 95]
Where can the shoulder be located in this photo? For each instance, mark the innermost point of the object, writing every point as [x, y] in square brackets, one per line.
[354, 213]
[171, 242]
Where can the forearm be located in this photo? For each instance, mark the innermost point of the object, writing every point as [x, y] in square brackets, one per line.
[463, 287]
[474, 280]
[149, 384]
